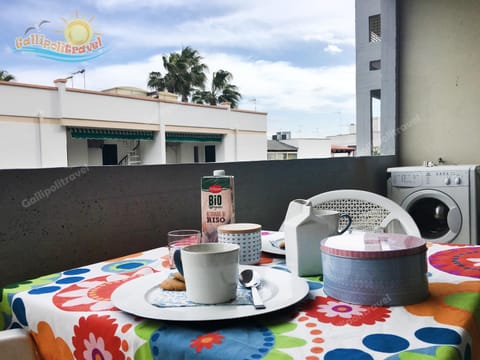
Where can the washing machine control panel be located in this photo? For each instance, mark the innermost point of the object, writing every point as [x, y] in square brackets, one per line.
[406, 179]
[450, 178]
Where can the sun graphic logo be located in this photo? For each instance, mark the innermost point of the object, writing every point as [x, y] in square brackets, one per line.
[81, 42]
[78, 31]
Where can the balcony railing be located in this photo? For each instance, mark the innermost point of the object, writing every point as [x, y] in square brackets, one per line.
[60, 218]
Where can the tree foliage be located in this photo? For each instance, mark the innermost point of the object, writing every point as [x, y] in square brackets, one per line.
[5, 76]
[184, 72]
[185, 76]
[221, 90]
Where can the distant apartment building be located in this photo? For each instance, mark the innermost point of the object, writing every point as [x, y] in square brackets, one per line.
[283, 146]
[278, 150]
[375, 46]
[56, 126]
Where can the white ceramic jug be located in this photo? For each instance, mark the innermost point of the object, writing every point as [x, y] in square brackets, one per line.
[304, 228]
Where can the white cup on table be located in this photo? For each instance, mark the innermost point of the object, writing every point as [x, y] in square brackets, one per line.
[210, 271]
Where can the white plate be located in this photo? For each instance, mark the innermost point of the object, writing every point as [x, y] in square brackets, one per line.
[270, 239]
[279, 290]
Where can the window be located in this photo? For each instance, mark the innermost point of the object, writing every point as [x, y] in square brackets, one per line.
[195, 154]
[375, 33]
[376, 120]
[375, 65]
[210, 153]
[109, 154]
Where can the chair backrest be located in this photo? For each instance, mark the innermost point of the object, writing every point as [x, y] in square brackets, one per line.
[17, 344]
[369, 211]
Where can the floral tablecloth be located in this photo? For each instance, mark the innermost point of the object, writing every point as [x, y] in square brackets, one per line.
[70, 316]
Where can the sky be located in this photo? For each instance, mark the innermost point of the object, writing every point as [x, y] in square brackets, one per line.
[294, 60]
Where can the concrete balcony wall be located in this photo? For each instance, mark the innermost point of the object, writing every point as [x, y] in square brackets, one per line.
[28, 100]
[247, 120]
[107, 107]
[55, 219]
[13, 133]
[250, 146]
[53, 145]
[439, 81]
[209, 117]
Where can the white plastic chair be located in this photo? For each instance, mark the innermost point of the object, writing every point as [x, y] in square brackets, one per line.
[369, 211]
[17, 344]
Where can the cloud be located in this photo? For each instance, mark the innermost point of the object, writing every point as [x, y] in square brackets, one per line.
[238, 36]
[7, 50]
[332, 49]
[124, 5]
[281, 85]
[274, 84]
[246, 24]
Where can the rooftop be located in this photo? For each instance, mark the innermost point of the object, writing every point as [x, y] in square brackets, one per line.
[276, 145]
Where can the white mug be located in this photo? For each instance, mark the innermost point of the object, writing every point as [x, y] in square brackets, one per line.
[210, 271]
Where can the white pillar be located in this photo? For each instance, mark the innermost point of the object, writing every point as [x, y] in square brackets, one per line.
[162, 140]
[388, 136]
[52, 144]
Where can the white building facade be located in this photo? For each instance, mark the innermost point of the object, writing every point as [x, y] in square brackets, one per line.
[43, 126]
[376, 75]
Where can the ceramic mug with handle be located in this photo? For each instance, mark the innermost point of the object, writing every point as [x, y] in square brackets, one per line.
[210, 271]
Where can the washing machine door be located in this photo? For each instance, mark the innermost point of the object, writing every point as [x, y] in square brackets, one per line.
[437, 215]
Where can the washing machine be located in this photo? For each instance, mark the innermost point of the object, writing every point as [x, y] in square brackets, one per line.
[442, 200]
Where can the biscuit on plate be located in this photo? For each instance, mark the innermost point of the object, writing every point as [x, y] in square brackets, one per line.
[173, 284]
[178, 276]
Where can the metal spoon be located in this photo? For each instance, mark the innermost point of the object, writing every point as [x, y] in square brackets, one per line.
[249, 280]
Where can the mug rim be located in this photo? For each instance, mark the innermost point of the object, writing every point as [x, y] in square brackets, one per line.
[216, 248]
[183, 232]
[239, 228]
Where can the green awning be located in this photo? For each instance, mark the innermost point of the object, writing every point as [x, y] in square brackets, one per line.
[192, 137]
[90, 133]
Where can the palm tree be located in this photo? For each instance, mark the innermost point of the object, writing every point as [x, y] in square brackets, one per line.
[156, 81]
[5, 76]
[185, 72]
[221, 90]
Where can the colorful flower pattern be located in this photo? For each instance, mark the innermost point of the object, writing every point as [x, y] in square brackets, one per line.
[94, 294]
[144, 331]
[9, 291]
[445, 341]
[463, 261]
[429, 353]
[338, 313]
[165, 262]
[266, 258]
[288, 334]
[252, 341]
[453, 304]
[206, 341]
[95, 339]
[210, 342]
[49, 346]
[122, 266]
